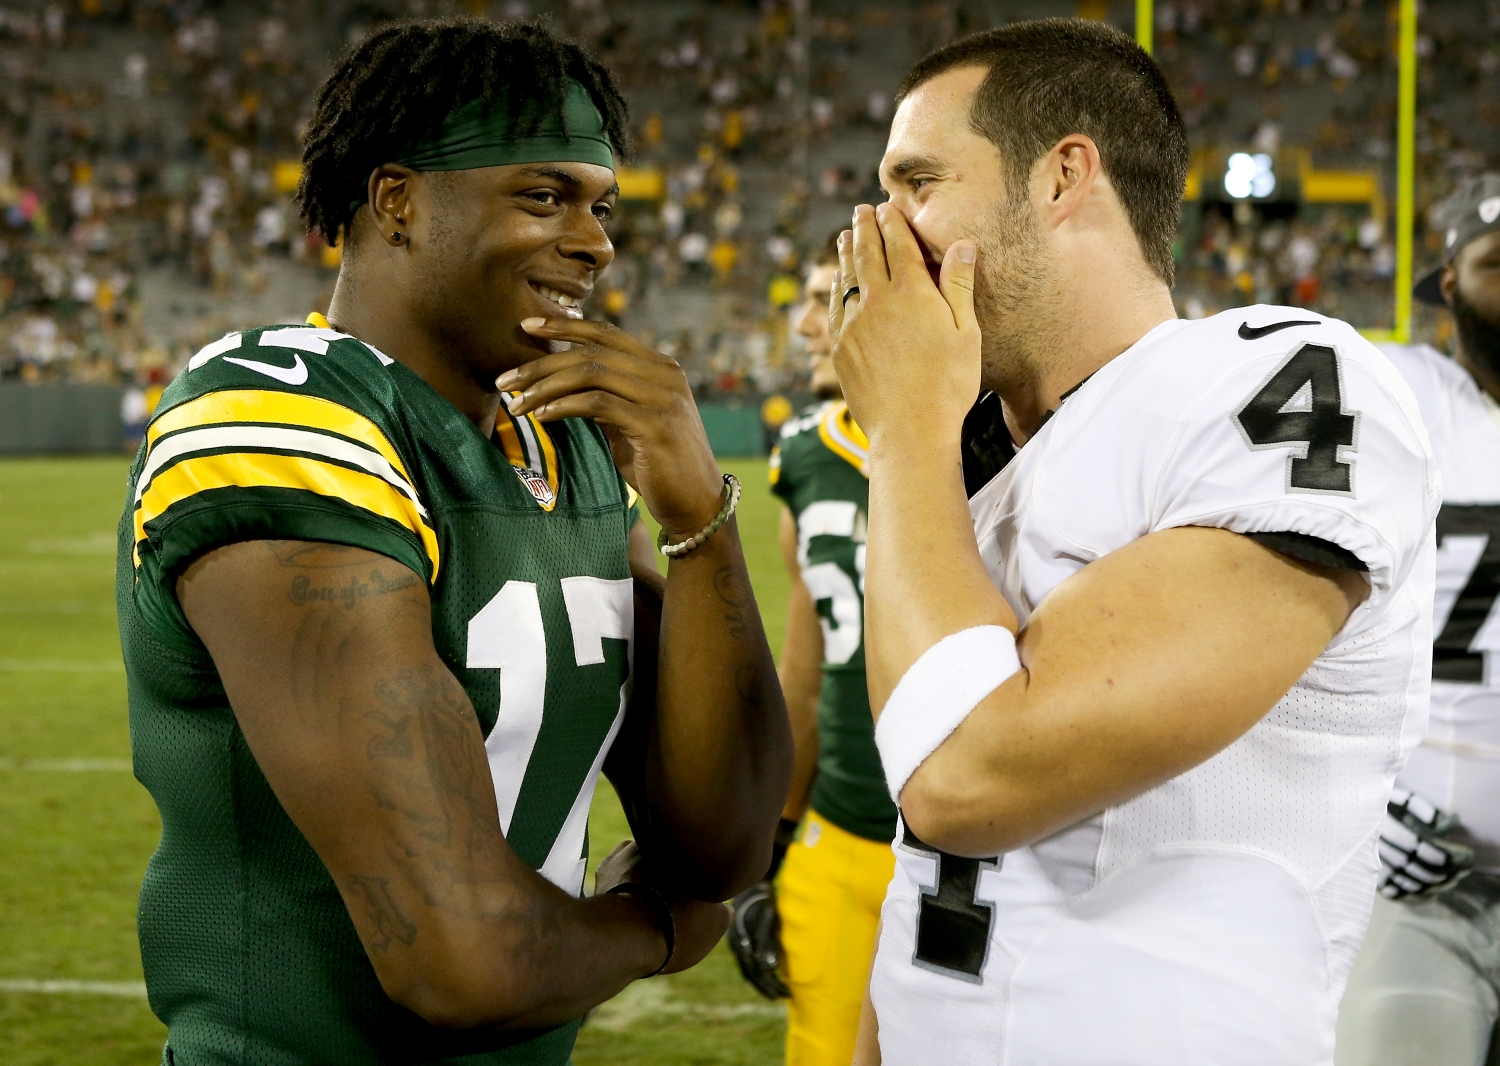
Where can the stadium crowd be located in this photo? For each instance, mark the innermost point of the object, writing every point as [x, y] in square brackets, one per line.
[148, 153]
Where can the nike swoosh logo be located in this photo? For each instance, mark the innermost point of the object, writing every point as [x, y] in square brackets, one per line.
[295, 374]
[1254, 333]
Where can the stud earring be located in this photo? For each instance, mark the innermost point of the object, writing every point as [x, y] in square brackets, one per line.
[396, 236]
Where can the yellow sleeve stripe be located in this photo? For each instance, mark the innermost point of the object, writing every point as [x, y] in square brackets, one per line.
[240, 437]
[279, 408]
[264, 470]
[842, 436]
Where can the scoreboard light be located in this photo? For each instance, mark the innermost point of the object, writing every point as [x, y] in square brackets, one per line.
[1249, 176]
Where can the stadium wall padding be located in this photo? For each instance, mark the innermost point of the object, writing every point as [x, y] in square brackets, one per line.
[734, 432]
[80, 419]
[56, 419]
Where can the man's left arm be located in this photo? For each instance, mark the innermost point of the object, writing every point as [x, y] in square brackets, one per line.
[704, 768]
[1139, 667]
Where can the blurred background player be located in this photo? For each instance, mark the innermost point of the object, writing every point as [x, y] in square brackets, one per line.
[1426, 986]
[827, 897]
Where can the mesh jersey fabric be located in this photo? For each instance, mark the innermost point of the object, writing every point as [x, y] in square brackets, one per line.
[1457, 765]
[1213, 918]
[250, 956]
[819, 470]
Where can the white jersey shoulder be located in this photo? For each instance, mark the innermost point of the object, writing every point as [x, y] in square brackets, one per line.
[1213, 918]
[1457, 765]
[1259, 420]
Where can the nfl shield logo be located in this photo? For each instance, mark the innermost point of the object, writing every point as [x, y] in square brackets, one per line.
[536, 485]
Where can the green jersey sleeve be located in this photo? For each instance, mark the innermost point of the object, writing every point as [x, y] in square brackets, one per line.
[798, 439]
[285, 433]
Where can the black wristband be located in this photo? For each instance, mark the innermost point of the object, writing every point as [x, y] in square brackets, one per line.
[658, 903]
[786, 833]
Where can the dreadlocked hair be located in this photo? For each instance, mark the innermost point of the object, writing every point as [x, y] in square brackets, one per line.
[388, 90]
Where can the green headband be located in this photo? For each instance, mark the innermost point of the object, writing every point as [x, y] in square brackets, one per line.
[479, 135]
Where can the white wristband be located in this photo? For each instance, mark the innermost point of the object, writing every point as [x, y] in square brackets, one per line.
[937, 693]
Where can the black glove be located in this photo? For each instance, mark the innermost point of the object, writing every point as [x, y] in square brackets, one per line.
[1418, 861]
[755, 931]
[755, 938]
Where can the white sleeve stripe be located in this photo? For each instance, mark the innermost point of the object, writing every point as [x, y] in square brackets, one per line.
[227, 343]
[310, 339]
[261, 437]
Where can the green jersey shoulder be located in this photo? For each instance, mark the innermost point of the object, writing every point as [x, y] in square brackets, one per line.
[820, 468]
[305, 433]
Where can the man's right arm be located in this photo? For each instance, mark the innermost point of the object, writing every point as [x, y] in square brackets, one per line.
[801, 673]
[373, 748]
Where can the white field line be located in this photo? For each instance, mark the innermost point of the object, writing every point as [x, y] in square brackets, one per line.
[103, 542]
[73, 567]
[68, 765]
[123, 989]
[62, 666]
[646, 999]
[100, 606]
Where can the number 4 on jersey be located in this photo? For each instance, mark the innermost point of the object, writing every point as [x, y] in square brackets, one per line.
[1301, 407]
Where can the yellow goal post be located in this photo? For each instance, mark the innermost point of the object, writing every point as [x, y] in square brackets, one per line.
[1406, 136]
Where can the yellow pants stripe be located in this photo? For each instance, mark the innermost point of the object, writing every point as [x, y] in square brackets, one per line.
[828, 894]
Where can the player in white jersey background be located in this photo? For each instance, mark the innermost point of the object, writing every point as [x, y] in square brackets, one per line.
[1426, 988]
[1143, 833]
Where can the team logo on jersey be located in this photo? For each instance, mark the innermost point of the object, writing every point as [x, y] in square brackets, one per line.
[1255, 333]
[529, 448]
[537, 485]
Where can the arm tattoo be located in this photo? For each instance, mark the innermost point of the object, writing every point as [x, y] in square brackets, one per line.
[390, 924]
[749, 685]
[312, 555]
[397, 745]
[348, 593]
[727, 585]
[446, 795]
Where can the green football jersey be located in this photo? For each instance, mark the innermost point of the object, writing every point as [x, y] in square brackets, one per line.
[308, 434]
[820, 468]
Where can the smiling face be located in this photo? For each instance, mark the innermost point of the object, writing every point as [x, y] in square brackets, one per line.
[502, 244]
[948, 181]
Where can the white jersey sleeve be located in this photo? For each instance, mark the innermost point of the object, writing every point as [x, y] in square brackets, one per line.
[1457, 765]
[1311, 432]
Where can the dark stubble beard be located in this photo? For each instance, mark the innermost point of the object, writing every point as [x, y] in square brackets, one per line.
[1012, 274]
[1478, 337]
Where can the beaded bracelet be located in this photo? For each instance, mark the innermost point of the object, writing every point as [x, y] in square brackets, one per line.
[681, 548]
[662, 910]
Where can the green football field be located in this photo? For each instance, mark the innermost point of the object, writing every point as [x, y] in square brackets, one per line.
[76, 829]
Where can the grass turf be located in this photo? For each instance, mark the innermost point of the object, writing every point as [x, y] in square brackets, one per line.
[76, 829]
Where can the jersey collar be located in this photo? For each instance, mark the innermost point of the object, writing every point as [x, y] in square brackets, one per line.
[530, 451]
[525, 442]
[843, 437]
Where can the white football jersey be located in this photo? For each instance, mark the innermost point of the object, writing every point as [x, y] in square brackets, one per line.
[1457, 765]
[1213, 919]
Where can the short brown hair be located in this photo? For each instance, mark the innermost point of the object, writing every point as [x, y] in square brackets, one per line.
[1052, 77]
[827, 253]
